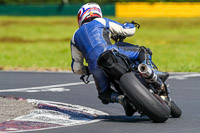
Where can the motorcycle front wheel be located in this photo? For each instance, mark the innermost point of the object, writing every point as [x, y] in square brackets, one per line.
[175, 110]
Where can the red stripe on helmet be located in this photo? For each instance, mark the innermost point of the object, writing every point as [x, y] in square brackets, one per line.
[88, 10]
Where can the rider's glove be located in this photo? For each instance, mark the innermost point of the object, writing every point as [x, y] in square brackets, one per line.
[136, 24]
[117, 38]
[86, 76]
[87, 70]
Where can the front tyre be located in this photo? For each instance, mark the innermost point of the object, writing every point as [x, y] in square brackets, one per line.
[151, 105]
[175, 110]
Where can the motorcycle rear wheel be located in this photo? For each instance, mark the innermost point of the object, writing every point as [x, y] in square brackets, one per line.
[150, 104]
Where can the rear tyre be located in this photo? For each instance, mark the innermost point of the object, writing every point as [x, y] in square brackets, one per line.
[175, 110]
[151, 105]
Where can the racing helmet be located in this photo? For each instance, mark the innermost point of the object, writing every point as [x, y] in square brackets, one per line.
[88, 12]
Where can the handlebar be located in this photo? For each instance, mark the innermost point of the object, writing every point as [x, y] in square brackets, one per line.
[118, 38]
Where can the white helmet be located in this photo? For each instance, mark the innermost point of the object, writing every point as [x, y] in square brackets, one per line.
[88, 12]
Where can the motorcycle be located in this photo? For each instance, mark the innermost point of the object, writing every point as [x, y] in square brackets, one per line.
[148, 93]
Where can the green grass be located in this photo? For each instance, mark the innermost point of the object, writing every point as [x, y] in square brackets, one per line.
[35, 55]
[44, 42]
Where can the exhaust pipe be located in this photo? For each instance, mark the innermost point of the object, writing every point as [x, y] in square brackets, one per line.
[147, 72]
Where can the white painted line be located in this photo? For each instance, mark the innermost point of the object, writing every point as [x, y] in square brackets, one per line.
[183, 77]
[44, 87]
[35, 71]
[183, 73]
[45, 90]
[58, 88]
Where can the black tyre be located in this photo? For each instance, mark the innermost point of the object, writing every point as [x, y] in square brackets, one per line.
[152, 105]
[175, 110]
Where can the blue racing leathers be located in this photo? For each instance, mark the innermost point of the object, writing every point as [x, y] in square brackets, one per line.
[91, 40]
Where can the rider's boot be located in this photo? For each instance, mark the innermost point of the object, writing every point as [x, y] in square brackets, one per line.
[111, 96]
[128, 108]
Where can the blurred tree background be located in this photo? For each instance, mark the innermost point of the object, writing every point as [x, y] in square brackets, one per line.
[84, 1]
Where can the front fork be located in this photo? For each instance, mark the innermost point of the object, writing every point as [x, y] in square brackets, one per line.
[165, 95]
[162, 93]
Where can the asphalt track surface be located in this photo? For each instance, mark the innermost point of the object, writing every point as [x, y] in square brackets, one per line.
[185, 92]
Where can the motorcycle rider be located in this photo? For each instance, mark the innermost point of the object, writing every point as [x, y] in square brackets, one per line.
[91, 40]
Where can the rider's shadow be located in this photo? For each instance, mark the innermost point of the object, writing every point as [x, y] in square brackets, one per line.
[122, 118]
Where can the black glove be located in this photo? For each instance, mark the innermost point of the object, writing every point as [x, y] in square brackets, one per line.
[87, 70]
[117, 38]
[85, 77]
[136, 24]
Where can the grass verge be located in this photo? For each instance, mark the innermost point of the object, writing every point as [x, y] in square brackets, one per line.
[44, 42]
